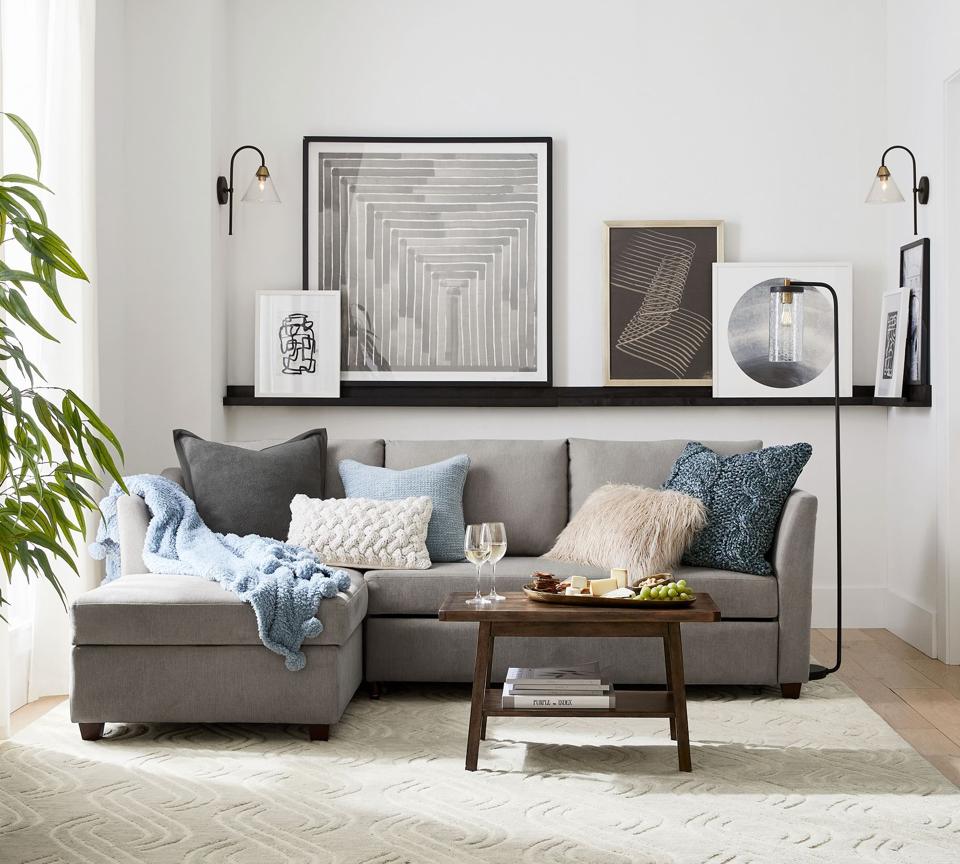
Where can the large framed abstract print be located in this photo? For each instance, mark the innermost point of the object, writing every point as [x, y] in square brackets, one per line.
[440, 248]
[658, 318]
[915, 279]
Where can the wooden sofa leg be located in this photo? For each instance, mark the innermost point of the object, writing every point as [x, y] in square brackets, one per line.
[91, 731]
[319, 731]
[790, 691]
[375, 690]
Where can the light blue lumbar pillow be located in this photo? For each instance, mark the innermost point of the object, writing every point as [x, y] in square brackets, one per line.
[744, 495]
[441, 481]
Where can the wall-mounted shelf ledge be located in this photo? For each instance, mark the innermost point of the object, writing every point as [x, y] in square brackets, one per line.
[536, 396]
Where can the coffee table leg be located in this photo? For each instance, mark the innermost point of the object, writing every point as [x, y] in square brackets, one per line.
[678, 687]
[481, 675]
[666, 663]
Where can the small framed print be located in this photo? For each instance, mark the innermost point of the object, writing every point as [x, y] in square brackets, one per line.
[658, 319]
[891, 350]
[298, 344]
[915, 279]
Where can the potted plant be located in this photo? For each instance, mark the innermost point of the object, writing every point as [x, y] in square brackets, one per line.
[54, 449]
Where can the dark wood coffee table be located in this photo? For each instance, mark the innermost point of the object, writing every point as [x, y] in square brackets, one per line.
[520, 616]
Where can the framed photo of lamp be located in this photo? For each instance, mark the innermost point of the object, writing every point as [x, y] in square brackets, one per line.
[915, 279]
[441, 250]
[658, 317]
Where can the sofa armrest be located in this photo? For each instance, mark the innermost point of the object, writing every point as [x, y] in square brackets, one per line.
[792, 557]
[132, 518]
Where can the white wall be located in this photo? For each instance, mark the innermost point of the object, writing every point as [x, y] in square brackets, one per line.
[748, 111]
[923, 50]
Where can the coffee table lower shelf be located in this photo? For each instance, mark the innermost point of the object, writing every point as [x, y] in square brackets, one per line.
[630, 703]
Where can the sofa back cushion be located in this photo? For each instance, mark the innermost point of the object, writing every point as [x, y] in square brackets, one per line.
[640, 463]
[520, 483]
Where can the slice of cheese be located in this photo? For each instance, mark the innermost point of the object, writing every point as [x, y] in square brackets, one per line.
[599, 587]
[578, 582]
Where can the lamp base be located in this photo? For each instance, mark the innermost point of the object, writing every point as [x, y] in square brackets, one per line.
[223, 190]
[817, 671]
[923, 190]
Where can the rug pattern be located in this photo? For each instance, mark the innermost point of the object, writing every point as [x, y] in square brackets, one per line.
[822, 779]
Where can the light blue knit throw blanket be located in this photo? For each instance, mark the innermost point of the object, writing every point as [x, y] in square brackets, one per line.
[283, 583]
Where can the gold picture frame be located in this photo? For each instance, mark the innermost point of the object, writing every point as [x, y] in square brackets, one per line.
[665, 250]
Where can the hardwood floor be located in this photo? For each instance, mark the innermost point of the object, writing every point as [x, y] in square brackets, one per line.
[916, 695]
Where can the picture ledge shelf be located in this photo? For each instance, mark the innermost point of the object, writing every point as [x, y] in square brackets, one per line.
[539, 396]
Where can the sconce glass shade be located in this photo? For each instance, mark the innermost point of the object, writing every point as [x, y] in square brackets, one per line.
[261, 189]
[786, 326]
[884, 190]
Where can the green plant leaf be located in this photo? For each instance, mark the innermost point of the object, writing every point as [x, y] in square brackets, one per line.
[27, 133]
[24, 178]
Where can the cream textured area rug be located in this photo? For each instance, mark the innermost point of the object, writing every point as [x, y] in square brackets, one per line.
[820, 779]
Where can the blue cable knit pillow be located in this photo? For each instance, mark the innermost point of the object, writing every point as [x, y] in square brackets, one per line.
[441, 481]
[744, 495]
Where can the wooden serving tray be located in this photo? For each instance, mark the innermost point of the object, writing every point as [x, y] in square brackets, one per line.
[587, 600]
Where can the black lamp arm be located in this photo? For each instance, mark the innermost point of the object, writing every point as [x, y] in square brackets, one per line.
[225, 187]
[819, 671]
[921, 188]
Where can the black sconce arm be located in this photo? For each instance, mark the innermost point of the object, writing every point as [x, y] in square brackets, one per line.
[921, 188]
[225, 188]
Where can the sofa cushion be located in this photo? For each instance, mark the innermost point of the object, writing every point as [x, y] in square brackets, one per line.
[520, 483]
[744, 496]
[640, 463]
[242, 491]
[165, 609]
[419, 592]
[441, 482]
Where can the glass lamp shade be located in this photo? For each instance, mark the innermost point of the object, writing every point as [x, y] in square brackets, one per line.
[884, 190]
[261, 189]
[786, 326]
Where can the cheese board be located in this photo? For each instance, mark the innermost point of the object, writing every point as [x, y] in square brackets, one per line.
[588, 600]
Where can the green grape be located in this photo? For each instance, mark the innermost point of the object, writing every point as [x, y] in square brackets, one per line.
[682, 584]
[684, 596]
[645, 592]
[671, 585]
[671, 592]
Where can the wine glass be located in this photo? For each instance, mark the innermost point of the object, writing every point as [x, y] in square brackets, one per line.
[495, 538]
[477, 550]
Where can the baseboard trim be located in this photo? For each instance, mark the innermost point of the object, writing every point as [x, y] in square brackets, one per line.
[912, 623]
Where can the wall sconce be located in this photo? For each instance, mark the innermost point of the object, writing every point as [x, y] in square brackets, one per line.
[885, 191]
[260, 191]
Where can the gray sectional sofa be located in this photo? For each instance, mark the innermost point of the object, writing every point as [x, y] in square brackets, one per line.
[179, 649]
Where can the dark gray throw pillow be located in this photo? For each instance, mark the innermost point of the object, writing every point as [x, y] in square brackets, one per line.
[240, 491]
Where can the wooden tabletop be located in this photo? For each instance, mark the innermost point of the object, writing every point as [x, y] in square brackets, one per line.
[520, 608]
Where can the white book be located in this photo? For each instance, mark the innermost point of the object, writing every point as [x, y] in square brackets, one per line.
[603, 702]
[584, 675]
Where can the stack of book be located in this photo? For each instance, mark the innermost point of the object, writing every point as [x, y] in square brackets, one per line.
[558, 687]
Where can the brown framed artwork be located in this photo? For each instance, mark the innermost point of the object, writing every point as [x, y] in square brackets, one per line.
[658, 310]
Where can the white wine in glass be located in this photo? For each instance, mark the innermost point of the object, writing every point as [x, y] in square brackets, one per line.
[476, 550]
[495, 536]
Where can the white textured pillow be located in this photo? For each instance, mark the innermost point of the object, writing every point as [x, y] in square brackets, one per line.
[644, 530]
[361, 532]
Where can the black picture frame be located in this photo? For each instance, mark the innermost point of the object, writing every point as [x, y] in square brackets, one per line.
[917, 363]
[506, 385]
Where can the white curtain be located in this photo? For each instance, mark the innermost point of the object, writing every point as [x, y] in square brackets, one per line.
[46, 76]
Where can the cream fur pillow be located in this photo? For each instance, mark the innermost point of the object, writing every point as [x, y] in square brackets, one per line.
[362, 532]
[644, 530]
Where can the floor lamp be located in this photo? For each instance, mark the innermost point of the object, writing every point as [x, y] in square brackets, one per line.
[786, 346]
